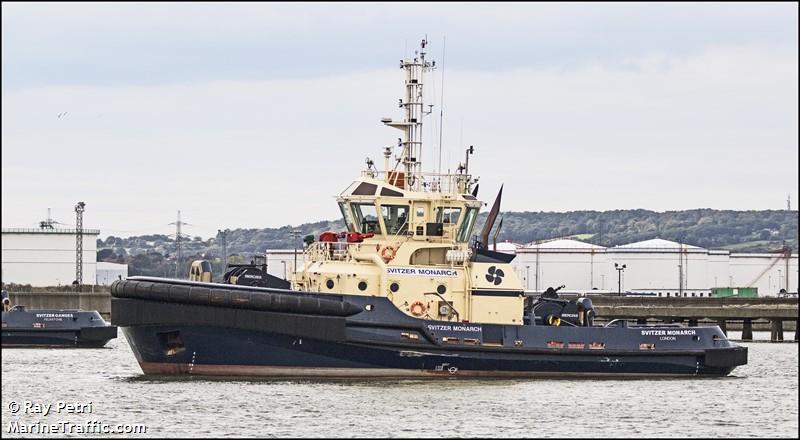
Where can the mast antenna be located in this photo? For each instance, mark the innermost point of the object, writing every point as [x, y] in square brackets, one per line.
[414, 106]
[47, 223]
[441, 107]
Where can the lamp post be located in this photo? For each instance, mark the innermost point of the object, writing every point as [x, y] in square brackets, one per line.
[295, 234]
[224, 235]
[536, 271]
[527, 277]
[620, 269]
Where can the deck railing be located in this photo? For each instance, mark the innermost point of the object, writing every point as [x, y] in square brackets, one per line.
[431, 182]
[334, 251]
[48, 231]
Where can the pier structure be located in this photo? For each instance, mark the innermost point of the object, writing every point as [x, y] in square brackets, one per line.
[693, 310]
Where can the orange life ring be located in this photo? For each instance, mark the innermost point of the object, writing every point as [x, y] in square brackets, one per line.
[388, 253]
[418, 308]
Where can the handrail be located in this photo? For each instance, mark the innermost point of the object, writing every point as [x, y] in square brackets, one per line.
[48, 231]
[431, 182]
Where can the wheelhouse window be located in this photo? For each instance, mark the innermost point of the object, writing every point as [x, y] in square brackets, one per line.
[448, 216]
[366, 218]
[348, 217]
[395, 218]
[466, 226]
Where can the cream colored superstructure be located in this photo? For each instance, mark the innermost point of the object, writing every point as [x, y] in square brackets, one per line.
[409, 235]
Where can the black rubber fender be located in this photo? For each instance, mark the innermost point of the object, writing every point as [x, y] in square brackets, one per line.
[176, 291]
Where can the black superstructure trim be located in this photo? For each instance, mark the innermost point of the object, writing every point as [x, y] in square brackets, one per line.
[497, 292]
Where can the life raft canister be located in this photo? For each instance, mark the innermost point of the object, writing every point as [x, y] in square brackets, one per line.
[388, 253]
[329, 237]
[418, 308]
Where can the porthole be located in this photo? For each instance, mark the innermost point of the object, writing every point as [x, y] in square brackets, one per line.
[394, 287]
[441, 289]
[329, 284]
[362, 286]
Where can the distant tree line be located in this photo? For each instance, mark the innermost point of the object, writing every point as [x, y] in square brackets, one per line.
[706, 228]
[743, 231]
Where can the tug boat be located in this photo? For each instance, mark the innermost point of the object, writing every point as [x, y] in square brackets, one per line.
[405, 291]
[53, 328]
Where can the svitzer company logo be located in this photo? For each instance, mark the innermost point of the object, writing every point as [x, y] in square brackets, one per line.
[495, 275]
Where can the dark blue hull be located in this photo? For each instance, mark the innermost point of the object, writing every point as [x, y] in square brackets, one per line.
[90, 337]
[197, 328]
[207, 350]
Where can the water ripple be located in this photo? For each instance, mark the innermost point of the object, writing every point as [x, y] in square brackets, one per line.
[760, 400]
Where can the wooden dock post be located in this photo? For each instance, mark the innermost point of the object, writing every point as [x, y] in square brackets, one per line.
[776, 335]
[747, 330]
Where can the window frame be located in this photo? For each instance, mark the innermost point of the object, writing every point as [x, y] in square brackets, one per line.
[403, 228]
[359, 217]
[467, 225]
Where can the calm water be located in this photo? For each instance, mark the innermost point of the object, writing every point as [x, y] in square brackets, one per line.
[760, 400]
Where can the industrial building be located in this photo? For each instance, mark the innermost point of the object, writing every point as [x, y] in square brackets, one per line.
[47, 256]
[657, 267]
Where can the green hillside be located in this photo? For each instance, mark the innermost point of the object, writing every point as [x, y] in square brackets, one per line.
[748, 231]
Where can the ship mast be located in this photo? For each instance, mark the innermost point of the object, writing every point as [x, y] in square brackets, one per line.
[414, 105]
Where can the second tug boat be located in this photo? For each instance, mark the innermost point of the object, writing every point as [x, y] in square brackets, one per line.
[405, 291]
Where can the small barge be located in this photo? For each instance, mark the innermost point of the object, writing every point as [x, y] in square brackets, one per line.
[24, 327]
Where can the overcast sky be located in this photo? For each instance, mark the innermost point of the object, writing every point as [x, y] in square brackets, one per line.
[256, 115]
